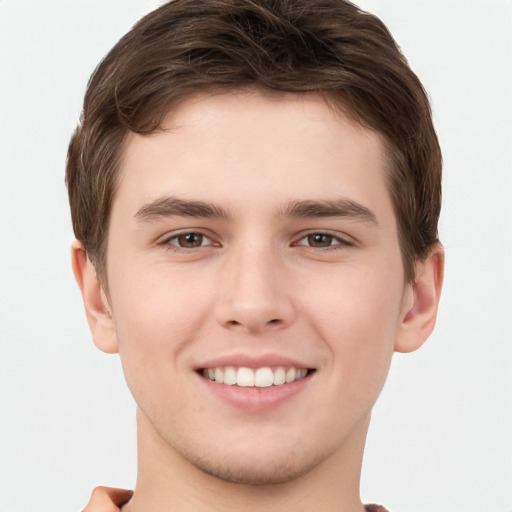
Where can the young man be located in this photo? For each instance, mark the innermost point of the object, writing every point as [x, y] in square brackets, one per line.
[255, 189]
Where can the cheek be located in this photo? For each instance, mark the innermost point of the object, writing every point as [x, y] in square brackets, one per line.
[356, 302]
[156, 319]
[358, 322]
[157, 307]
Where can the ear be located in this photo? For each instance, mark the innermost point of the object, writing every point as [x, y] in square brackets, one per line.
[97, 308]
[421, 300]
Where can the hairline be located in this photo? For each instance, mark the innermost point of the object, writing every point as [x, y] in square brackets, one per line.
[332, 98]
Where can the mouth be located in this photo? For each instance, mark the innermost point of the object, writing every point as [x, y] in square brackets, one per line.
[263, 377]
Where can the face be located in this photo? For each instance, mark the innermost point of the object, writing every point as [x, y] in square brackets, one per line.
[255, 282]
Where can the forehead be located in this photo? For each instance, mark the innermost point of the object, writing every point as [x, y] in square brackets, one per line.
[257, 146]
[252, 136]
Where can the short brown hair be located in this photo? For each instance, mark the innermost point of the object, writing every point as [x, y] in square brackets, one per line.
[325, 46]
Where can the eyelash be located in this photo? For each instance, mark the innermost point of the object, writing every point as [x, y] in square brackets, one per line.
[340, 244]
[169, 245]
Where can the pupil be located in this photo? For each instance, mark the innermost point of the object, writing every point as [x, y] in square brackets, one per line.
[320, 240]
[190, 240]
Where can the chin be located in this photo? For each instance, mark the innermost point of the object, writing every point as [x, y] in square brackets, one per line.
[258, 472]
[251, 476]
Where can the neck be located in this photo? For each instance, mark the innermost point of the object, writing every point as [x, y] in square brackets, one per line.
[168, 481]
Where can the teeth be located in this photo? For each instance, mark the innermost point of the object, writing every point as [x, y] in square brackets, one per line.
[263, 378]
[219, 375]
[259, 378]
[245, 377]
[290, 375]
[279, 377]
[301, 373]
[230, 376]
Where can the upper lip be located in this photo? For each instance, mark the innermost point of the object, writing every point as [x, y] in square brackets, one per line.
[253, 361]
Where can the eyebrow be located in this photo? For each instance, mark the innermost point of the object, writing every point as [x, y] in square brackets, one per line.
[329, 208]
[173, 206]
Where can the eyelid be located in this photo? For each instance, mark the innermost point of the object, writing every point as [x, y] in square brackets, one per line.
[168, 237]
[343, 239]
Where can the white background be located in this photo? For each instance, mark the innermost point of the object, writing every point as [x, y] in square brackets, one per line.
[441, 438]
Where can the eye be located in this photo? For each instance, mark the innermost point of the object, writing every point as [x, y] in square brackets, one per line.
[322, 241]
[189, 240]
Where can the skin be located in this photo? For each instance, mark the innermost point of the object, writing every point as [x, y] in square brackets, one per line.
[326, 291]
[107, 499]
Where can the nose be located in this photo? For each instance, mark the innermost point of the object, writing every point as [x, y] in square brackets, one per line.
[254, 293]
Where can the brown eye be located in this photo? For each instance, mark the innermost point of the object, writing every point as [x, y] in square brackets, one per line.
[323, 240]
[189, 240]
[319, 240]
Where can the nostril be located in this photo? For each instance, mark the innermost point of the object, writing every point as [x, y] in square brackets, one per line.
[252, 321]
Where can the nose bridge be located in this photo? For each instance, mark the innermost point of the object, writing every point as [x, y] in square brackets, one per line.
[253, 292]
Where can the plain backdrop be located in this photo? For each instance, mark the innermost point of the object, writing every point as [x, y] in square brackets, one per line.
[441, 437]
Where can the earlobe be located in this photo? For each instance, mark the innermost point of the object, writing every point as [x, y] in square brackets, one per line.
[97, 309]
[421, 302]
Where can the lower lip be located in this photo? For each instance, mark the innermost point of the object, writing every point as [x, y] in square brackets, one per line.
[256, 399]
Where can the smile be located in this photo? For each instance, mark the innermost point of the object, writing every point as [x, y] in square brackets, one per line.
[255, 377]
